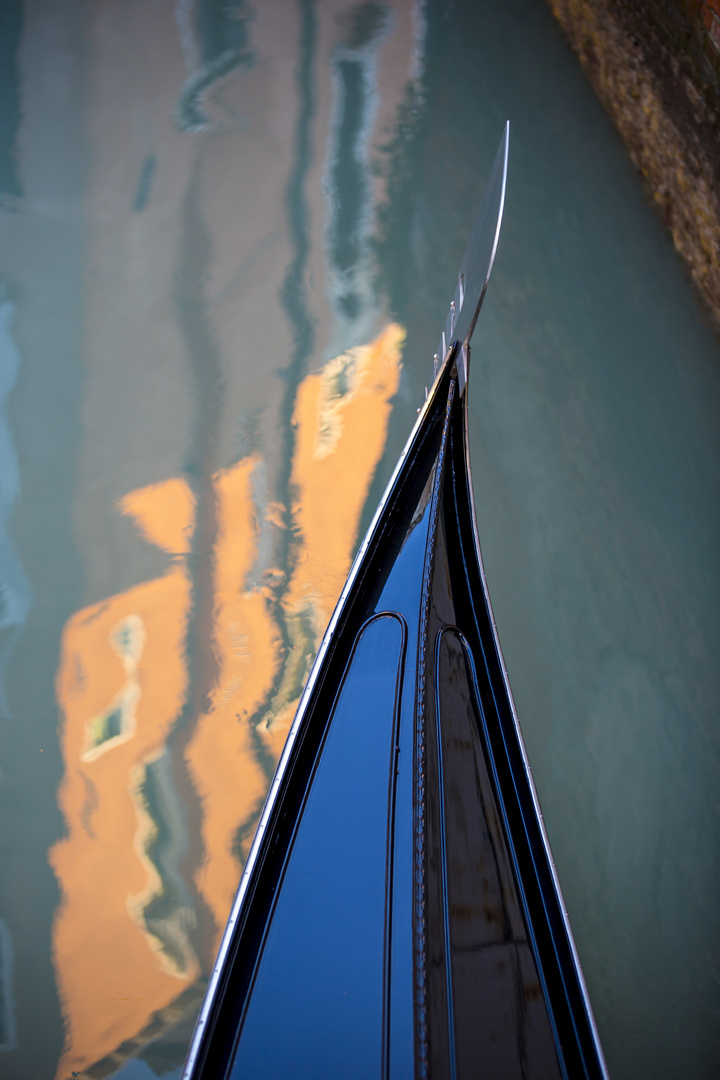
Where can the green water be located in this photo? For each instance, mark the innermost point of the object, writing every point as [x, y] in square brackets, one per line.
[200, 204]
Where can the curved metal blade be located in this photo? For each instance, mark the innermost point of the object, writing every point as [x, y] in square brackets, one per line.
[478, 262]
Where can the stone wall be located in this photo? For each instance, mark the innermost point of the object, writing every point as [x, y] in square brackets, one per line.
[655, 65]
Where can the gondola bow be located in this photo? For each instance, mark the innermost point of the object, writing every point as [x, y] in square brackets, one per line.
[399, 914]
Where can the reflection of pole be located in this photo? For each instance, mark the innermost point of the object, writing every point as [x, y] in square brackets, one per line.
[347, 177]
[15, 589]
[194, 259]
[12, 28]
[8, 1035]
[294, 301]
[292, 295]
[44, 70]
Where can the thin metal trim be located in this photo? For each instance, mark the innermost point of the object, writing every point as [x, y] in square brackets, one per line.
[420, 750]
[499, 165]
[390, 839]
[443, 841]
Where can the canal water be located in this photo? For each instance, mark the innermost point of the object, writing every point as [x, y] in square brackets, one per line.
[228, 236]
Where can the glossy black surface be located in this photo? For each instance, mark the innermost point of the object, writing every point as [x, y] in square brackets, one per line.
[485, 968]
[402, 918]
[325, 953]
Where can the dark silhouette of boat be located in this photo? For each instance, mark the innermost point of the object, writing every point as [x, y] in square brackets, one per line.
[400, 914]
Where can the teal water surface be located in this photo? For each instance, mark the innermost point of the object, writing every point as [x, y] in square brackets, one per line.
[202, 204]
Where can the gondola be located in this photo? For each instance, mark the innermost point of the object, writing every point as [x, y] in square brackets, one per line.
[399, 914]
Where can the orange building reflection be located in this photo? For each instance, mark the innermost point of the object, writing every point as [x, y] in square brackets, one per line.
[125, 940]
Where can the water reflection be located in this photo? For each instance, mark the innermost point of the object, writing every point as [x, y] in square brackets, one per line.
[8, 1036]
[217, 505]
[214, 37]
[15, 589]
[123, 684]
[214, 217]
[10, 185]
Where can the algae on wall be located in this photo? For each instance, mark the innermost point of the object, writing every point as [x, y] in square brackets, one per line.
[655, 65]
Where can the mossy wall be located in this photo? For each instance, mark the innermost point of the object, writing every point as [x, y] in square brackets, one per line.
[655, 65]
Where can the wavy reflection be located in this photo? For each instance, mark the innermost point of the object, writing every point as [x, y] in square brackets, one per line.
[10, 95]
[8, 1034]
[214, 38]
[120, 849]
[348, 228]
[15, 590]
[163, 909]
[176, 694]
[123, 685]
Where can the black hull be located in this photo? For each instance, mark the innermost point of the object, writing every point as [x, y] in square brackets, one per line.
[400, 915]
